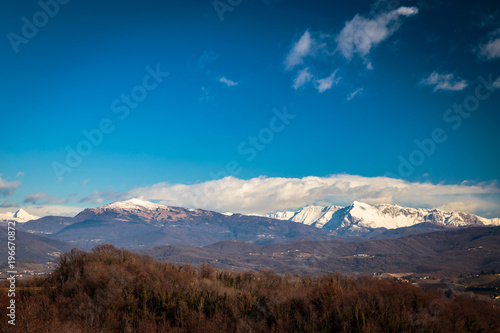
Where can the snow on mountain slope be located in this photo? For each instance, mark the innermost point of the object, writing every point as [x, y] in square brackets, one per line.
[140, 224]
[356, 219]
[282, 215]
[359, 217]
[310, 215]
[383, 216]
[133, 204]
[135, 210]
[20, 216]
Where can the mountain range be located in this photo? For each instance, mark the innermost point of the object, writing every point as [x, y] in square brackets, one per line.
[136, 223]
[357, 238]
[141, 224]
[360, 219]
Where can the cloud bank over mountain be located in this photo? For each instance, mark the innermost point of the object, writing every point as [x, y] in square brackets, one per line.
[265, 194]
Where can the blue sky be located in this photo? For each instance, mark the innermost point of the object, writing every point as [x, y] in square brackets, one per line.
[250, 107]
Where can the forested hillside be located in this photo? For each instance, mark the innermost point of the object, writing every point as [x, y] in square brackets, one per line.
[113, 290]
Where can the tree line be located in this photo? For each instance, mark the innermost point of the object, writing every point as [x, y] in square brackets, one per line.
[115, 290]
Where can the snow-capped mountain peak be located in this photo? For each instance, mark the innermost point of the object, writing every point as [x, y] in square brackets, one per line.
[134, 204]
[360, 204]
[360, 217]
[20, 216]
[134, 210]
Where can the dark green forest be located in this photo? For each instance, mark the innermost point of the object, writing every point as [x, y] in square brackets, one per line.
[114, 290]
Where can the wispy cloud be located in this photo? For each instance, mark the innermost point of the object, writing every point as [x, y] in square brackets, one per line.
[8, 188]
[326, 83]
[228, 82]
[97, 197]
[207, 58]
[41, 198]
[206, 96]
[360, 35]
[304, 47]
[303, 77]
[444, 82]
[490, 20]
[354, 94]
[496, 83]
[490, 49]
[8, 204]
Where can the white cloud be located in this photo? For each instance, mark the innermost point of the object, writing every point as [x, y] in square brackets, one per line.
[326, 83]
[228, 82]
[354, 94]
[35, 197]
[97, 197]
[207, 58]
[8, 204]
[361, 34]
[206, 95]
[459, 206]
[406, 11]
[263, 194]
[8, 188]
[303, 77]
[304, 47]
[41, 198]
[491, 48]
[496, 83]
[444, 82]
[358, 37]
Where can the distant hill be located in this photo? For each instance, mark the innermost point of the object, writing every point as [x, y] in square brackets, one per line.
[32, 248]
[442, 253]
